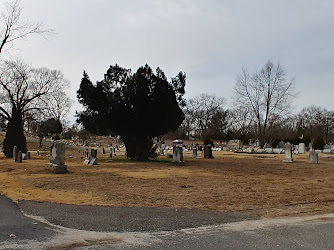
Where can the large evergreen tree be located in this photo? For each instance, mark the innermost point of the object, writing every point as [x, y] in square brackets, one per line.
[14, 134]
[138, 107]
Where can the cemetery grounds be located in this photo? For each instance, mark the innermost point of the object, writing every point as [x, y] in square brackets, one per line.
[257, 184]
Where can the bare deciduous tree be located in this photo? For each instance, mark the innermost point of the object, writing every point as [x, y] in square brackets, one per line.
[12, 27]
[316, 121]
[28, 89]
[200, 110]
[267, 93]
[57, 106]
[25, 91]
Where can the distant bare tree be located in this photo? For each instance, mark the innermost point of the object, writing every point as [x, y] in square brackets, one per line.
[316, 121]
[200, 111]
[266, 93]
[242, 120]
[12, 27]
[58, 105]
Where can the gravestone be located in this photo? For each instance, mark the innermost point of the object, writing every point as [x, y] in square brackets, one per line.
[57, 158]
[86, 153]
[313, 157]
[93, 161]
[278, 150]
[326, 149]
[86, 162]
[110, 153]
[15, 153]
[269, 150]
[287, 152]
[234, 145]
[103, 151]
[195, 152]
[177, 155]
[301, 148]
[24, 156]
[37, 153]
[208, 152]
[93, 153]
[19, 156]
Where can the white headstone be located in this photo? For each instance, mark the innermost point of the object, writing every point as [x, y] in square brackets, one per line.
[287, 152]
[301, 148]
[269, 150]
[277, 150]
[313, 157]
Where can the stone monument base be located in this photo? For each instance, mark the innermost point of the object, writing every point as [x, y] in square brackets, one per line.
[57, 169]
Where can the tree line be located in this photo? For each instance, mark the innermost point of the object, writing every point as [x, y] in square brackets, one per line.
[261, 109]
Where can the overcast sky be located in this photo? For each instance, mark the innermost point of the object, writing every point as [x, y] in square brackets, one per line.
[211, 41]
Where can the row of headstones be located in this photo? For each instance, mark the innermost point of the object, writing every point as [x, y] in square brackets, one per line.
[92, 160]
[313, 155]
[18, 156]
[178, 153]
[194, 148]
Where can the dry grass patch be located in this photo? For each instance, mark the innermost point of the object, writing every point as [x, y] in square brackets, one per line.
[261, 185]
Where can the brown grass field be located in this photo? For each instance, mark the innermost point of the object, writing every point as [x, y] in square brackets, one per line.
[256, 184]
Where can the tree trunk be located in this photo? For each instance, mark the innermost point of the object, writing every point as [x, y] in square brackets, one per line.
[138, 148]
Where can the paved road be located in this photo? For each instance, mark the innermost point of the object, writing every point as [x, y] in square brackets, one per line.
[57, 226]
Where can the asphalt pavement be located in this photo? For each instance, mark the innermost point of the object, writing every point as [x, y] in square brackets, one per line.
[35, 225]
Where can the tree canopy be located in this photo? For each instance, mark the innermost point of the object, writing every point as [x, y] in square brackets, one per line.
[137, 106]
[25, 92]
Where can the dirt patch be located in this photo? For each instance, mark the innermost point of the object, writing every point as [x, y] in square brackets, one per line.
[231, 182]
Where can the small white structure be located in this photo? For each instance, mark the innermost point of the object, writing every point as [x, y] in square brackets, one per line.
[301, 148]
